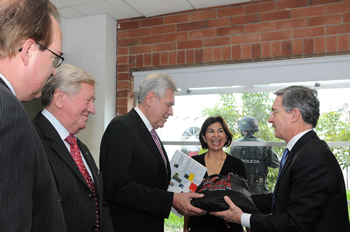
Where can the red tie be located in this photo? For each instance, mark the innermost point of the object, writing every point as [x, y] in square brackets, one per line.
[75, 152]
[156, 140]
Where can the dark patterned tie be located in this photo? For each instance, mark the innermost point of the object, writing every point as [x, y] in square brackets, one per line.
[75, 152]
[156, 140]
[283, 160]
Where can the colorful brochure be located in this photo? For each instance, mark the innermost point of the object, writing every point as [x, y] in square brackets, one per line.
[186, 174]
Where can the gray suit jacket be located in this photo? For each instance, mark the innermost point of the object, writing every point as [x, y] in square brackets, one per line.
[76, 197]
[28, 194]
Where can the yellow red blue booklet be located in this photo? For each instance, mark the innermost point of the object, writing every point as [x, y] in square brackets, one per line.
[186, 174]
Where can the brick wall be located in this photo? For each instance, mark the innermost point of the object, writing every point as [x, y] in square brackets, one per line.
[257, 31]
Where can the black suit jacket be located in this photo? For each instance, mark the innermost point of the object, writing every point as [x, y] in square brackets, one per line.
[76, 197]
[28, 194]
[311, 192]
[135, 179]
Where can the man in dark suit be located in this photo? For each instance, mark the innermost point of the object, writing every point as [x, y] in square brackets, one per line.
[310, 191]
[28, 57]
[68, 99]
[135, 165]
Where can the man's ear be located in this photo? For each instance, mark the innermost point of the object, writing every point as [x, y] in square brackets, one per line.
[27, 50]
[150, 97]
[58, 98]
[296, 114]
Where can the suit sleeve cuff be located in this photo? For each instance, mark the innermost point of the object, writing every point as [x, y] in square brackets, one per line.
[245, 220]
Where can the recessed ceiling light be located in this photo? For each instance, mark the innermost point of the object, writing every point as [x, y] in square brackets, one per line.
[169, 2]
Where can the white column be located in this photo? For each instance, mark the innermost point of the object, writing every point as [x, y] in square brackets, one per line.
[90, 43]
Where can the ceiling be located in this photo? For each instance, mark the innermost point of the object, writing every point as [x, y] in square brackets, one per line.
[122, 9]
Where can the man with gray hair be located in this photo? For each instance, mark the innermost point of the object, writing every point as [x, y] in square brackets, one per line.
[68, 99]
[310, 190]
[135, 164]
[30, 52]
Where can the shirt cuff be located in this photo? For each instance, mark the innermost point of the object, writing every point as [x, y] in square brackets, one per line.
[245, 220]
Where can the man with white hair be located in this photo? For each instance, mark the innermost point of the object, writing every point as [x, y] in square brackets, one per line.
[135, 165]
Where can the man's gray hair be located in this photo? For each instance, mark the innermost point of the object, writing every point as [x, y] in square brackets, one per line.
[304, 99]
[157, 83]
[68, 79]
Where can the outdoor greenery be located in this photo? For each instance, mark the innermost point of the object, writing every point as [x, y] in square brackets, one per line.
[173, 223]
[332, 129]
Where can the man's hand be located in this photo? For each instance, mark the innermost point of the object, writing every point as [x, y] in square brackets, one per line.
[182, 204]
[233, 214]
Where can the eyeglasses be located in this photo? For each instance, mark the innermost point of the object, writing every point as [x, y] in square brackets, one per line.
[58, 59]
[273, 112]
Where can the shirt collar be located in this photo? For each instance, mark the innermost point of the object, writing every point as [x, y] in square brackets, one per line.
[62, 131]
[8, 84]
[144, 119]
[295, 139]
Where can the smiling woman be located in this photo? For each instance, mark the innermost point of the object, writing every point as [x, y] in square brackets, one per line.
[214, 135]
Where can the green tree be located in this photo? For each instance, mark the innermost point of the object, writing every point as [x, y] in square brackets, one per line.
[331, 128]
[256, 104]
[228, 108]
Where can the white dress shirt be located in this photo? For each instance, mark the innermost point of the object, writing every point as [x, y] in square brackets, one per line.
[144, 119]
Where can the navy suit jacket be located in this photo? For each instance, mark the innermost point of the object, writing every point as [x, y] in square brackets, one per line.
[310, 194]
[28, 194]
[135, 178]
[76, 198]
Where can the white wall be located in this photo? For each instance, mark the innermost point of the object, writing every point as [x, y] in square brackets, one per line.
[90, 43]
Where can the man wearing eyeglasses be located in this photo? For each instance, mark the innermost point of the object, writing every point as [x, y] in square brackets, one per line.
[310, 190]
[30, 41]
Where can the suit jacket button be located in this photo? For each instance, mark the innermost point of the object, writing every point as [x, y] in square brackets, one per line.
[59, 197]
[91, 196]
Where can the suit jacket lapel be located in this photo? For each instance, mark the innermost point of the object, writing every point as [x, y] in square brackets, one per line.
[298, 145]
[147, 137]
[58, 146]
[2, 82]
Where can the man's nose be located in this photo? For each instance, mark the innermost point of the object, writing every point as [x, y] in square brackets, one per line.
[270, 119]
[170, 111]
[91, 108]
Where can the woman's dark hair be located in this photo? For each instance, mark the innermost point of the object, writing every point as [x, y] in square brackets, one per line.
[205, 126]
